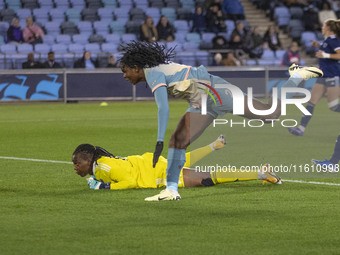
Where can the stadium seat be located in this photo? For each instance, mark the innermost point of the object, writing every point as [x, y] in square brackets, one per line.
[157, 3]
[80, 39]
[89, 14]
[101, 27]
[78, 4]
[52, 28]
[7, 15]
[180, 37]
[126, 3]
[29, 4]
[48, 4]
[142, 4]
[306, 40]
[42, 48]
[193, 37]
[103, 59]
[172, 4]
[76, 49]
[3, 28]
[41, 15]
[73, 15]
[59, 48]
[94, 4]
[207, 37]
[113, 38]
[117, 27]
[24, 48]
[282, 15]
[63, 39]
[111, 4]
[2, 40]
[296, 12]
[188, 4]
[133, 26]
[154, 13]
[105, 14]
[23, 13]
[126, 38]
[85, 27]
[202, 58]
[181, 25]
[137, 14]
[92, 47]
[175, 45]
[8, 48]
[109, 47]
[122, 12]
[62, 4]
[170, 13]
[268, 54]
[186, 57]
[190, 46]
[183, 14]
[57, 15]
[279, 54]
[68, 28]
[96, 38]
[295, 28]
[13, 4]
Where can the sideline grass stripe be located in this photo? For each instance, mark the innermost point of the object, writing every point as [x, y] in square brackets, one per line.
[37, 160]
[318, 183]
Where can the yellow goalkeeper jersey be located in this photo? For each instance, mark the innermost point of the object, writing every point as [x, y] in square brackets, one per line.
[133, 172]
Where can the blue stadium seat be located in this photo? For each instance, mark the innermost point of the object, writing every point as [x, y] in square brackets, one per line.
[48, 4]
[268, 54]
[89, 14]
[2, 40]
[189, 46]
[62, 4]
[122, 12]
[175, 45]
[29, 4]
[42, 48]
[80, 39]
[57, 15]
[186, 57]
[41, 15]
[59, 48]
[69, 28]
[8, 48]
[93, 4]
[13, 4]
[117, 27]
[296, 12]
[133, 26]
[143, 4]
[23, 13]
[109, 47]
[180, 37]
[85, 27]
[7, 15]
[52, 28]
[181, 25]
[96, 38]
[105, 14]
[207, 37]
[193, 37]
[79, 4]
[101, 27]
[110, 4]
[172, 4]
[295, 28]
[3, 28]
[154, 13]
[63, 39]
[184, 14]
[93, 47]
[279, 54]
[126, 38]
[202, 58]
[113, 38]
[187, 4]
[24, 48]
[127, 3]
[49, 39]
[157, 3]
[170, 13]
[306, 39]
[282, 15]
[76, 49]
[73, 15]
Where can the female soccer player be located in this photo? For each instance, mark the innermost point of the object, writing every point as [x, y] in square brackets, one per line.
[328, 55]
[110, 172]
[149, 62]
[332, 165]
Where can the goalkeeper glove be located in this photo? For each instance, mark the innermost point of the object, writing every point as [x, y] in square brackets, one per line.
[95, 184]
[157, 153]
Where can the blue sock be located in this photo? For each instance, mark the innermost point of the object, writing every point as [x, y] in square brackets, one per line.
[335, 108]
[292, 82]
[176, 160]
[336, 155]
[306, 118]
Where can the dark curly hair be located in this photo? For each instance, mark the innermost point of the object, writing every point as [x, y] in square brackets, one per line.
[90, 150]
[145, 54]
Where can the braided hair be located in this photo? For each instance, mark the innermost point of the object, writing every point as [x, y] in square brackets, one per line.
[95, 151]
[145, 54]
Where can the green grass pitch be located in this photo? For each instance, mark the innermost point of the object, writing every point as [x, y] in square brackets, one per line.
[45, 208]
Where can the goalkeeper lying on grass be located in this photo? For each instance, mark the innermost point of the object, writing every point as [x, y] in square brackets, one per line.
[112, 172]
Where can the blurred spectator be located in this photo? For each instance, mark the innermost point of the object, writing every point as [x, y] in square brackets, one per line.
[85, 62]
[214, 19]
[112, 62]
[254, 43]
[32, 33]
[50, 63]
[311, 19]
[30, 63]
[208, 3]
[219, 42]
[233, 9]
[148, 31]
[292, 55]
[235, 42]
[326, 13]
[217, 60]
[165, 30]
[14, 33]
[239, 30]
[271, 38]
[199, 24]
[231, 60]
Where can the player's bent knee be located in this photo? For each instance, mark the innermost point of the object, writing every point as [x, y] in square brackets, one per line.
[334, 105]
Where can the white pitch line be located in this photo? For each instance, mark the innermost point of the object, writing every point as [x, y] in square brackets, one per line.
[37, 160]
[318, 183]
